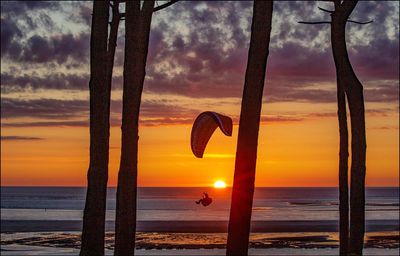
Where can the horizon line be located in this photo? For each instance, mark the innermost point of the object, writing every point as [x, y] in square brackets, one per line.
[228, 187]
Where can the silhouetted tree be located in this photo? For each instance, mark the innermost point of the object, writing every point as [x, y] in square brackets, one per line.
[102, 51]
[343, 172]
[137, 25]
[349, 85]
[348, 80]
[246, 152]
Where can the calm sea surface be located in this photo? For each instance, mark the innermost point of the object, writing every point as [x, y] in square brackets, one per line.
[172, 204]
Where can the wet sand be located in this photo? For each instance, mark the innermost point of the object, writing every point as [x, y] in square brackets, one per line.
[195, 226]
[197, 238]
[34, 250]
[179, 241]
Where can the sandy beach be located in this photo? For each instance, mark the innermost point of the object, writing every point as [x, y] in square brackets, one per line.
[153, 243]
[33, 250]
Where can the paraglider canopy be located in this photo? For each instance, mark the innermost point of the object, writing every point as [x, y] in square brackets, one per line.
[204, 126]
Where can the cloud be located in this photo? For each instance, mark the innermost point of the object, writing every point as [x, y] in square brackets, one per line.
[39, 49]
[20, 138]
[382, 93]
[47, 124]
[165, 121]
[207, 57]
[83, 13]
[75, 113]
[43, 108]
[293, 93]
[280, 119]
[153, 113]
[379, 59]
[199, 50]
[9, 34]
[11, 82]
[21, 7]
[292, 60]
[383, 128]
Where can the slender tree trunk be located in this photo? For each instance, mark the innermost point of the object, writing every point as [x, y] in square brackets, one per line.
[343, 173]
[354, 92]
[246, 154]
[343, 156]
[136, 47]
[94, 213]
[358, 169]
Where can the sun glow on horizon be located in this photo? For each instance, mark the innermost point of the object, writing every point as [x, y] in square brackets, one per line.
[219, 184]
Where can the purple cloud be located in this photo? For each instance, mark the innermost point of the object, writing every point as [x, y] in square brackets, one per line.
[20, 138]
[198, 50]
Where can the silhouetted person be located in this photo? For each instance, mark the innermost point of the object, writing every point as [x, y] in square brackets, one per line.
[205, 201]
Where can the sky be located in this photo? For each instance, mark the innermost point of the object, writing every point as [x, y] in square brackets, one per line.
[196, 62]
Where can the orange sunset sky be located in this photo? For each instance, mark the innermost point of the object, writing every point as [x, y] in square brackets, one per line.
[196, 63]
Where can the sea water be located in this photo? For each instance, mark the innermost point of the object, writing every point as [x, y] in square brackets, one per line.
[178, 204]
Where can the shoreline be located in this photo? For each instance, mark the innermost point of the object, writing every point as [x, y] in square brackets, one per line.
[201, 241]
[195, 226]
[34, 250]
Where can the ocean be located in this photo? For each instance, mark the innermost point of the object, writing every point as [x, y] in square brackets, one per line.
[285, 221]
[178, 204]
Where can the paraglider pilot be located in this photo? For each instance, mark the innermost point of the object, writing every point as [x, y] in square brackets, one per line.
[205, 201]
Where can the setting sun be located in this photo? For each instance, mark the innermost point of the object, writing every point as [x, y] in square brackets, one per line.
[219, 184]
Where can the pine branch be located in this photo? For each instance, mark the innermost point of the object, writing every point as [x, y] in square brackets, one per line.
[361, 23]
[325, 10]
[314, 22]
[328, 22]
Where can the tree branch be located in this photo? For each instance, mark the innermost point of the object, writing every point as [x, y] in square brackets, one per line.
[114, 4]
[112, 39]
[164, 5]
[314, 22]
[160, 7]
[325, 10]
[362, 23]
[337, 4]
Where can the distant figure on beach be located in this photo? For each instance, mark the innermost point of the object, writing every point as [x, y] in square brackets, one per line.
[205, 201]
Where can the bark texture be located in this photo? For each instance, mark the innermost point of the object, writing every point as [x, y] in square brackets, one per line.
[94, 213]
[246, 154]
[136, 46]
[349, 83]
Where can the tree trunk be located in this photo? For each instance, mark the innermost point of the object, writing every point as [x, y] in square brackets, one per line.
[343, 173]
[94, 213]
[136, 47]
[358, 168]
[348, 81]
[246, 154]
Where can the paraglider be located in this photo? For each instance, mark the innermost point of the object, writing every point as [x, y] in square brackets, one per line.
[204, 126]
[205, 201]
